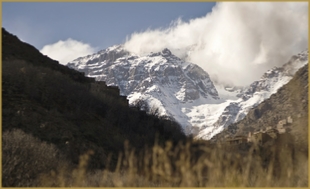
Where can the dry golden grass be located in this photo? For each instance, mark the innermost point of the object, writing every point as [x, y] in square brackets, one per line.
[30, 162]
[180, 167]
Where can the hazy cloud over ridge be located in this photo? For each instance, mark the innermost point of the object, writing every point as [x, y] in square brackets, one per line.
[68, 50]
[236, 42]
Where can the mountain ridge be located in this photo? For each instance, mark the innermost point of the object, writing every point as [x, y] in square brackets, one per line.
[196, 103]
[286, 111]
[258, 91]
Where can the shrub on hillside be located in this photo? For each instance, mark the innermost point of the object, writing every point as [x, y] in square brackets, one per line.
[24, 158]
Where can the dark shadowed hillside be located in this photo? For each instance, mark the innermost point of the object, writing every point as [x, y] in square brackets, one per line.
[60, 106]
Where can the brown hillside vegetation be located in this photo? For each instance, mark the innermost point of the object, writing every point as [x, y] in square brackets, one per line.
[61, 129]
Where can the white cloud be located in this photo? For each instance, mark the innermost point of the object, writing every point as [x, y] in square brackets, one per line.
[68, 50]
[236, 42]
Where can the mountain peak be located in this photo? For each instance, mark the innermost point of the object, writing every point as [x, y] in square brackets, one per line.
[166, 52]
[116, 48]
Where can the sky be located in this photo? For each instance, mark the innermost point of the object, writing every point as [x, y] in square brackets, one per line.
[234, 42]
[100, 24]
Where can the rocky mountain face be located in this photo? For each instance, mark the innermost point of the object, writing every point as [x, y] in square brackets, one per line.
[268, 80]
[287, 109]
[133, 74]
[182, 90]
[160, 79]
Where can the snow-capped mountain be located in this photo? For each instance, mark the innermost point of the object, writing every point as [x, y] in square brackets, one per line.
[182, 90]
[161, 79]
[185, 81]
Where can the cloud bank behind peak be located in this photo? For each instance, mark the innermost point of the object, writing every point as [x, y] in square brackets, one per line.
[236, 42]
